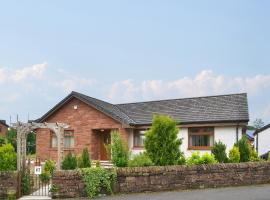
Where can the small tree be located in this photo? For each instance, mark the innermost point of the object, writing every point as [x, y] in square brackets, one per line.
[119, 150]
[258, 123]
[86, 158]
[234, 155]
[161, 142]
[49, 166]
[7, 158]
[69, 162]
[219, 151]
[244, 149]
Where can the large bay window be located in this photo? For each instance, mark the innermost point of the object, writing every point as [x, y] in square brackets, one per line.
[200, 138]
[139, 137]
[68, 139]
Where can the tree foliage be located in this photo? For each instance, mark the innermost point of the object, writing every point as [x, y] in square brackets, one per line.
[7, 158]
[140, 160]
[119, 150]
[197, 159]
[244, 149]
[219, 151]
[161, 142]
[98, 179]
[86, 158]
[234, 155]
[258, 123]
[69, 162]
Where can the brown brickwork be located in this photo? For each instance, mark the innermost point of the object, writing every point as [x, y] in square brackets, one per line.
[154, 179]
[84, 121]
[3, 129]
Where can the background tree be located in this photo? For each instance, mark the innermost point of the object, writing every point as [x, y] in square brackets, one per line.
[258, 123]
[30, 143]
[161, 142]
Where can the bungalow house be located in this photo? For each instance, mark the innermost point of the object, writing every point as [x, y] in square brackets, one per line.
[202, 121]
[3, 128]
[262, 140]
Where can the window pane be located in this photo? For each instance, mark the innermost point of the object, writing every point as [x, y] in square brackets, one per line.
[53, 140]
[139, 137]
[68, 140]
[201, 140]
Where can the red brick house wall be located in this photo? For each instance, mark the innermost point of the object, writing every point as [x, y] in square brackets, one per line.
[82, 121]
[3, 130]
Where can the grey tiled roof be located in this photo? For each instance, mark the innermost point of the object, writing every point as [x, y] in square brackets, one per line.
[223, 108]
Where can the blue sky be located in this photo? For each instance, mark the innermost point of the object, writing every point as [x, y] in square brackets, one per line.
[123, 51]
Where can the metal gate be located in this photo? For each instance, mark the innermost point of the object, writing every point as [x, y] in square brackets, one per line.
[35, 183]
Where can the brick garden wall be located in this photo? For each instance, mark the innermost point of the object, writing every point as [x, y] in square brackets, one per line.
[143, 179]
[192, 177]
[8, 184]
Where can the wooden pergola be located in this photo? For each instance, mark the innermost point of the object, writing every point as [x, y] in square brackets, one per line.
[23, 129]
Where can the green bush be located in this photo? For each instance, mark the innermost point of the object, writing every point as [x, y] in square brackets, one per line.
[219, 151]
[268, 156]
[234, 155]
[98, 179]
[2, 140]
[254, 156]
[194, 159]
[98, 163]
[208, 159]
[86, 162]
[140, 160]
[244, 149]
[161, 142]
[44, 177]
[79, 161]
[69, 162]
[119, 150]
[26, 183]
[49, 166]
[7, 158]
[197, 159]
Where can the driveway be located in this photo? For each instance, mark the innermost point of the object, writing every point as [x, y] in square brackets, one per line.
[259, 192]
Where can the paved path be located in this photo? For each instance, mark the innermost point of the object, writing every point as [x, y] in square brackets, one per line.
[260, 192]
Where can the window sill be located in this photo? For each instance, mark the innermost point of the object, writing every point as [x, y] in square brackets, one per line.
[199, 148]
[138, 148]
[65, 149]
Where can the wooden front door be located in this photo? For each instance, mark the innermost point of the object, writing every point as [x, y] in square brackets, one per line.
[105, 140]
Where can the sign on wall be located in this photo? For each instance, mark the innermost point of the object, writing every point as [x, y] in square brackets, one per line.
[38, 170]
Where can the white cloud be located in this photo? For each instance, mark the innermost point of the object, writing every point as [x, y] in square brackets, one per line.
[35, 71]
[20, 75]
[204, 83]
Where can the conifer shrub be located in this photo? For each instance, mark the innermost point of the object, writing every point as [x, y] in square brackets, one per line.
[219, 151]
[119, 150]
[234, 155]
[161, 142]
[244, 149]
[69, 162]
[86, 161]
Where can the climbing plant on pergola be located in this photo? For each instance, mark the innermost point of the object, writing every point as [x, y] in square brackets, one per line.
[23, 129]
